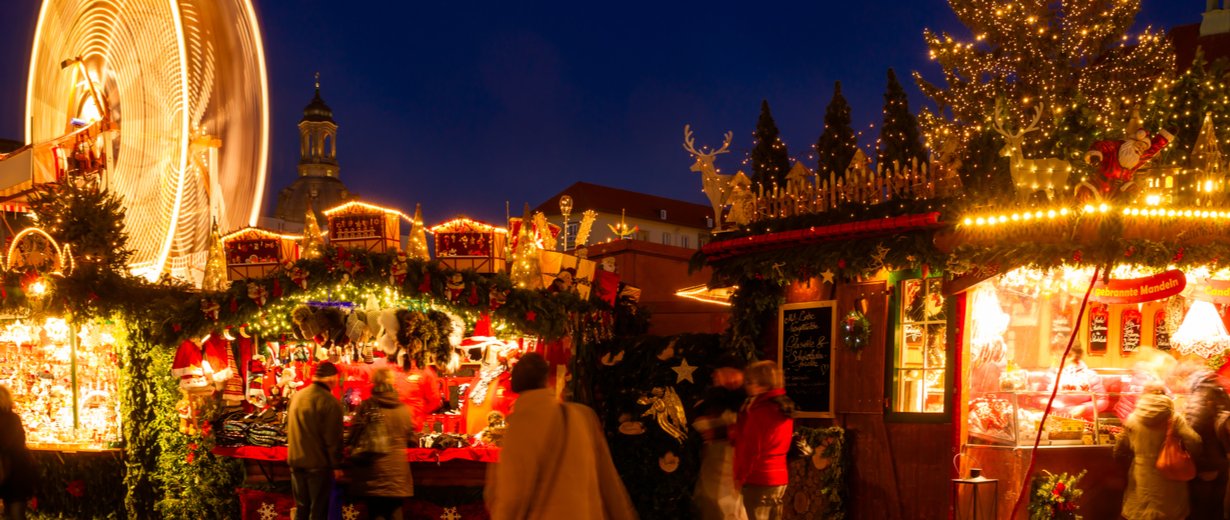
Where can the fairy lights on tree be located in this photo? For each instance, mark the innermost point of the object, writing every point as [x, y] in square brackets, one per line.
[1076, 59]
[899, 140]
[770, 160]
[838, 142]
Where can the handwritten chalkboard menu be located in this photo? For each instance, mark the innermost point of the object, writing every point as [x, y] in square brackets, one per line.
[805, 353]
[1099, 327]
[1161, 335]
[1131, 331]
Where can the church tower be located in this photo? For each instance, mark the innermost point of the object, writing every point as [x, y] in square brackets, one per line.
[317, 139]
[318, 184]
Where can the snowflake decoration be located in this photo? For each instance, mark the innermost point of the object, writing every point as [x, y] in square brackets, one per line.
[267, 512]
[450, 513]
[350, 512]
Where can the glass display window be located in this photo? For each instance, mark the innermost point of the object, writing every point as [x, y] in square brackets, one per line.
[64, 379]
[920, 351]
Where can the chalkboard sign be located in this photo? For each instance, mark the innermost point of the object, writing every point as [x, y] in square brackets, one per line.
[1099, 328]
[805, 333]
[1131, 331]
[1161, 334]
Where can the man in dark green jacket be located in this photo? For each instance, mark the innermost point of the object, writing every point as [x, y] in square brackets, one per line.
[314, 434]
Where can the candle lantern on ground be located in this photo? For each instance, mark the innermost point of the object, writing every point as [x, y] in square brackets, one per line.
[976, 497]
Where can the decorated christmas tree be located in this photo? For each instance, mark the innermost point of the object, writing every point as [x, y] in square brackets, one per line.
[215, 263]
[838, 142]
[1063, 56]
[91, 221]
[417, 248]
[312, 243]
[899, 140]
[1180, 104]
[524, 268]
[770, 160]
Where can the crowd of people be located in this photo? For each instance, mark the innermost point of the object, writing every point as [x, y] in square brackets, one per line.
[555, 463]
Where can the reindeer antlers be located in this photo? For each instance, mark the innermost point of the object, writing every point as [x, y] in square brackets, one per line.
[689, 143]
[997, 123]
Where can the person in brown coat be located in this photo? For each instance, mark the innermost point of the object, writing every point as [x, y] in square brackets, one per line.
[384, 482]
[314, 444]
[1149, 494]
[22, 474]
[555, 464]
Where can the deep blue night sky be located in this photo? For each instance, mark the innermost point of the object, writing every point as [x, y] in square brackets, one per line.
[464, 105]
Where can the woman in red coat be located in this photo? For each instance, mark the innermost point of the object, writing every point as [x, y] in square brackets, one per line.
[762, 438]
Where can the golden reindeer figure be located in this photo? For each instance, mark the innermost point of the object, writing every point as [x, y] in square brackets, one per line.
[1030, 175]
[716, 185]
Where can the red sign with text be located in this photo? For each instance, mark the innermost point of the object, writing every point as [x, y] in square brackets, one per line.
[1138, 290]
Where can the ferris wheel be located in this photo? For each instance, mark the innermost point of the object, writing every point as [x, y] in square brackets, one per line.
[180, 90]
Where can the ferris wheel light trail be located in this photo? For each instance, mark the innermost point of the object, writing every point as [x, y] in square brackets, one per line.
[183, 88]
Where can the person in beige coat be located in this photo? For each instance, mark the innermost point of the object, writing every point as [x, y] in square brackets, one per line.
[1149, 495]
[384, 482]
[554, 463]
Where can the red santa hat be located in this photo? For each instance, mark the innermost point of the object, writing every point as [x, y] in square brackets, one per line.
[216, 364]
[188, 366]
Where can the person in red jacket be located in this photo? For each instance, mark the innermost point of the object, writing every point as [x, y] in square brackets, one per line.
[762, 438]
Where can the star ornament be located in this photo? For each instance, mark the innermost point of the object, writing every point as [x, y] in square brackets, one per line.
[827, 276]
[684, 372]
[267, 511]
[350, 512]
[450, 513]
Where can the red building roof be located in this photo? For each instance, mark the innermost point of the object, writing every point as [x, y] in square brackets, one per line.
[611, 201]
[1187, 37]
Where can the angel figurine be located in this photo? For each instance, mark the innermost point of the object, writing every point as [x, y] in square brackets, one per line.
[667, 408]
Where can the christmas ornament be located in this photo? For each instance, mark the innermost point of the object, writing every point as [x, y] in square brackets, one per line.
[450, 513]
[350, 512]
[665, 406]
[1117, 161]
[611, 358]
[878, 257]
[397, 271]
[668, 352]
[669, 462]
[267, 512]
[855, 331]
[1029, 175]
[827, 276]
[683, 372]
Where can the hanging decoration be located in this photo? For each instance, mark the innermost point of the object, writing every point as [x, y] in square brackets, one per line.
[683, 372]
[1202, 332]
[665, 406]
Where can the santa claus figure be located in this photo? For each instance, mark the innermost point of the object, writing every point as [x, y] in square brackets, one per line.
[1117, 161]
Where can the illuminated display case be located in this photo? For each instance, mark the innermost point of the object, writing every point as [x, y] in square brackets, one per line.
[64, 382]
[255, 252]
[1012, 418]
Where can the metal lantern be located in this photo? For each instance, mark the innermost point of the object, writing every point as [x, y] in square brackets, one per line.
[976, 497]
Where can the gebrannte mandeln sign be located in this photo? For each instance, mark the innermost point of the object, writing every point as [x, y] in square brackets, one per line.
[1138, 290]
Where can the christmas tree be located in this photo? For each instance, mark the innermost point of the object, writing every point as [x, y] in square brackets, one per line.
[215, 263]
[312, 243]
[899, 140]
[770, 161]
[417, 248]
[1180, 105]
[838, 142]
[88, 219]
[1064, 56]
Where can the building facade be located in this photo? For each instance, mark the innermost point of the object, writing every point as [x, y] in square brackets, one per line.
[318, 184]
[644, 217]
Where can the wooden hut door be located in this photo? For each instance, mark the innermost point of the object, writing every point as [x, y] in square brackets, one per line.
[860, 404]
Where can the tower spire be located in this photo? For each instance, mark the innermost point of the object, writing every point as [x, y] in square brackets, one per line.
[318, 80]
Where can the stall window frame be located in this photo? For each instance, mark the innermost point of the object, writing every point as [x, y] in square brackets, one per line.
[894, 340]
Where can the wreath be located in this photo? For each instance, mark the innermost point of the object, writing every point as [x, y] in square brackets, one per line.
[855, 331]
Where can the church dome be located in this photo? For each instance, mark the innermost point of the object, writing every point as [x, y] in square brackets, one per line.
[317, 110]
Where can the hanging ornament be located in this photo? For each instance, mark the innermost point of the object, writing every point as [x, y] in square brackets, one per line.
[669, 462]
[665, 406]
[258, 294]
[683, 372]
[855, 331]
[210, 308]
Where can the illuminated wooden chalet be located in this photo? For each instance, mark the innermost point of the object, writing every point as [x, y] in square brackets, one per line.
[254, 252]
[365, 226]
[463, 244]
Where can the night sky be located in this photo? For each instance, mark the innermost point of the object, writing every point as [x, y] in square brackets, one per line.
[464, 105]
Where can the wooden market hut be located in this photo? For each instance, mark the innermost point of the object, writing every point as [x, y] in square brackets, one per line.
[930, 328]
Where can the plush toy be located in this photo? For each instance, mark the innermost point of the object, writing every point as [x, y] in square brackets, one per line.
[389, 326]
[456, 284]
[357, 330]
[187, 422]
[288, 382]
[256, 381]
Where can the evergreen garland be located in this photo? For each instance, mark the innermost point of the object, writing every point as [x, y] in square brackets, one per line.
[837, 144]
[770, 160]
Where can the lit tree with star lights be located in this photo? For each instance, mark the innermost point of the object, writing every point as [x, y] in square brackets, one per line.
[838, 142]
[1070, 56]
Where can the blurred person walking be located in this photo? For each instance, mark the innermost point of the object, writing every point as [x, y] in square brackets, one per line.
[1150, 495]
[384, 480]
[20, 474]
[715, 496]
[1205, 404]
[555, 464]
[762, 439]
[314, 444]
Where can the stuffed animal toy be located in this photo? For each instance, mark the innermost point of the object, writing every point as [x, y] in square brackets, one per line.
[357, 330]
[389, 327]
[288, 383]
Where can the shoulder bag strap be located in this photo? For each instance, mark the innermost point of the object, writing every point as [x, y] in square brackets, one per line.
[553, 471]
